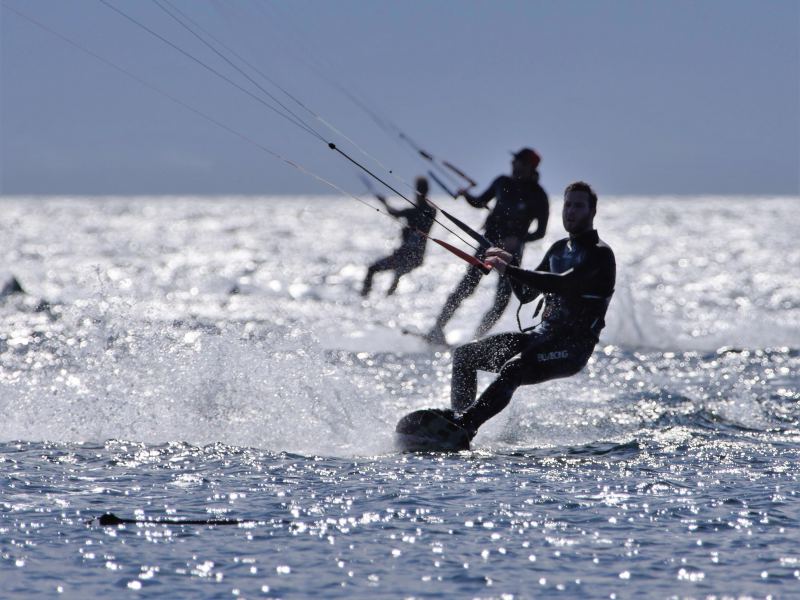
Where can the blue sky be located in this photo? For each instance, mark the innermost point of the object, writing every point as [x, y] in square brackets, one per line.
[636, 97]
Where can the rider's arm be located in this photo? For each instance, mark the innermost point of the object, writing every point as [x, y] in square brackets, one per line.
[541, 223]
[527, 293]
[582, 279]
[485, 197]
[392, 211]
[405, 213]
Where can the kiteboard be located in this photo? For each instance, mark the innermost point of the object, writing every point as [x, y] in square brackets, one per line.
[431, 430]
[425, 337]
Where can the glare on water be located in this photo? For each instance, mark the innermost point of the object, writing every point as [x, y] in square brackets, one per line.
[196, 357]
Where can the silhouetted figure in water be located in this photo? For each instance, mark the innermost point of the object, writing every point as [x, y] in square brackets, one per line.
[576, 277]
[410, 254]
[519, 201]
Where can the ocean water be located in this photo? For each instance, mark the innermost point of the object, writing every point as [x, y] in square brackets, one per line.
[206, 358]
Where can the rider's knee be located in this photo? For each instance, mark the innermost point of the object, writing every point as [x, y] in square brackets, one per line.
[511, 373]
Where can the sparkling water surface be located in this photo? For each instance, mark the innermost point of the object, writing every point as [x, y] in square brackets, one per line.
[202, 358]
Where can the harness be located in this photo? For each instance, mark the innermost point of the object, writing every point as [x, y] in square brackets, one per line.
[595, 327]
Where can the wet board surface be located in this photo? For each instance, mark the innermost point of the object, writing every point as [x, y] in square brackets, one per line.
[430, 430]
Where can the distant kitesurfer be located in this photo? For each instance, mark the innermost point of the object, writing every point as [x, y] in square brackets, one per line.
[519, 200]
[410, 254]
[576, 277]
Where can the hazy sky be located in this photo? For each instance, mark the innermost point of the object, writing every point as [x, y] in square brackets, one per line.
[636, 97]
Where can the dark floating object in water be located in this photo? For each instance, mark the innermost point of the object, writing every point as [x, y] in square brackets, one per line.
[110, 519]
[431, 430]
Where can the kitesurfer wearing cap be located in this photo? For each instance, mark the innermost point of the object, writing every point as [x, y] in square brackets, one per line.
[576, 277]
[410, 254]
[519, 200]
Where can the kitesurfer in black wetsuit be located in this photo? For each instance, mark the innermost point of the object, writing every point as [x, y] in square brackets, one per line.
[410, 254]
[576, 278]
[519, 200]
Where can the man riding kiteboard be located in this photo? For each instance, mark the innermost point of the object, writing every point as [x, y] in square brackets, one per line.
[519, 201]
[576, 277]
[410, 254]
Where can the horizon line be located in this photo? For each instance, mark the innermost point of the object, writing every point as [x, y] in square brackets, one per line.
[98, 195]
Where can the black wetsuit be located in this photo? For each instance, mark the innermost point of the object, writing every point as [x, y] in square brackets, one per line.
[411, 252]
[518, 203]
[577, 278]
